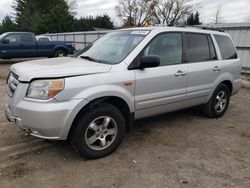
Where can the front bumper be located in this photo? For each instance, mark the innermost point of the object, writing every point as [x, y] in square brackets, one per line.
[48, 120]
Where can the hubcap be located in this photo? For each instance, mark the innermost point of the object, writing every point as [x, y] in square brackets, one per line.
[60, 54]
[101, 133]
[221, 101]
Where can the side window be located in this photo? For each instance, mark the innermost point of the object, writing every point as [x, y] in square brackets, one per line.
[168, 46]
[213, 54]
[27, 38]
[226, 46]
[197, 47]
[13, 38]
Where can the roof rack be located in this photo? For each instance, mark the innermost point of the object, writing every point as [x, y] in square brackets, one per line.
[201, 27]
[211, 28]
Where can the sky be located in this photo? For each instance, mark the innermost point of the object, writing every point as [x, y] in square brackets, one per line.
[231, 10]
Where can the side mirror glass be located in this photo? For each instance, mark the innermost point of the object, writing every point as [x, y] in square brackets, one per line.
[149, 62]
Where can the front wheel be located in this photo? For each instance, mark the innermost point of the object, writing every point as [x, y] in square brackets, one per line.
[60, 53]
[98, 132]
[218, 104]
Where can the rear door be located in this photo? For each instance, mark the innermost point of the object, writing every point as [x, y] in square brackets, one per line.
[162, 89]
[203, 67]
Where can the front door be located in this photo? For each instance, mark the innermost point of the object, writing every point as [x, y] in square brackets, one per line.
[12, 48]
[162, 89]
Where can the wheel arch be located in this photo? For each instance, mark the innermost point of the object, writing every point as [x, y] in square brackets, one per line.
[118, 102]
[226, 79]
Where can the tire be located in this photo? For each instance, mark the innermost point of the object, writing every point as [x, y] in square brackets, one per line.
[216, 108]
[60, 53]
[88, 135]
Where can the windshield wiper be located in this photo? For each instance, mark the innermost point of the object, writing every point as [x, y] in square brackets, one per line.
[95, 60]
[89, 58]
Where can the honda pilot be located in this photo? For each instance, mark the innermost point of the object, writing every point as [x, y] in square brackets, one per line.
[92, 99]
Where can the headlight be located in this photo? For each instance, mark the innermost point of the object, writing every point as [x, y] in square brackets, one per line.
[45, 89]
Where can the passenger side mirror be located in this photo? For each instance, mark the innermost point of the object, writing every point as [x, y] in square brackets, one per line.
[149, 62]
[5, 41]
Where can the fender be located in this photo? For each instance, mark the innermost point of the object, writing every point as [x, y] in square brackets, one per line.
[96, 92]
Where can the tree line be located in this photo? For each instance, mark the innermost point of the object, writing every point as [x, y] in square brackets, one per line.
[153, 12]
[47, 16]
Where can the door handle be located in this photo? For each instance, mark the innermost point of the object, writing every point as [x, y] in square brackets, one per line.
[180, 73]
[216, 69]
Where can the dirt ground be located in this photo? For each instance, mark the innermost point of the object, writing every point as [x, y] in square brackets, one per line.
[180, 149]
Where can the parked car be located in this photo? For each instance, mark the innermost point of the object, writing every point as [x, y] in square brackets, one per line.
[24, 44]
[93, 98]
[42, 38]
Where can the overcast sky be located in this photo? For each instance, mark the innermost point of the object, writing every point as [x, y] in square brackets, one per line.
[231, 10]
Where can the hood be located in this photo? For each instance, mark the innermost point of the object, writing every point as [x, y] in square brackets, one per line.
[57, 67]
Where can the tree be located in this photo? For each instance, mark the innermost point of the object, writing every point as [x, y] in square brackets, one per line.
[134, 12]
[103, 22]
[88, 23]
[172, 12]
[7, 25]
[58, 19]
[47, 16]
[169, 12]
[194, 19]
[218, 19]
[43, 15]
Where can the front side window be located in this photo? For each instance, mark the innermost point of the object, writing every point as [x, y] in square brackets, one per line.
[226, 47]
[112, 48]
[168, 47]
[197, 47]
[13, 38]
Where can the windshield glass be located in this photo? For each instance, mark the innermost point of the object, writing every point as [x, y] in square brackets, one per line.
[3, 35]
[112, 48]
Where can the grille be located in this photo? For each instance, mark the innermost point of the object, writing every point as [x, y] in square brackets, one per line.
[12, 83]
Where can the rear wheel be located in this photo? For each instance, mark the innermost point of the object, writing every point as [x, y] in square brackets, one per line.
[60, 53]
[218, 104]
[99, 131]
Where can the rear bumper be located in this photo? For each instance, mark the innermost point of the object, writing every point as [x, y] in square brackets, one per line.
[236, 86]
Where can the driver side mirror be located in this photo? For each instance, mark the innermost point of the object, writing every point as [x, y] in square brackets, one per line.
[149, 62]
[5, 41]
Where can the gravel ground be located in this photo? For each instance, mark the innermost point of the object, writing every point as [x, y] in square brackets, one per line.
[180, 149]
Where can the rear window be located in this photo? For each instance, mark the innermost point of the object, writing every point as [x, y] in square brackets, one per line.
[27, 38]
[226, 46]
[43, 39]
[197, 47]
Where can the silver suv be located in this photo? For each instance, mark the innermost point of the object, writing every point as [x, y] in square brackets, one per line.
[93, 98]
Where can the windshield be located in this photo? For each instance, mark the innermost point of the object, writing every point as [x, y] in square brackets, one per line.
[112, 48]
[3, 35]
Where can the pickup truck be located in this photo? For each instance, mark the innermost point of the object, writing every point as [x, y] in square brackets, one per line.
[25, 44]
